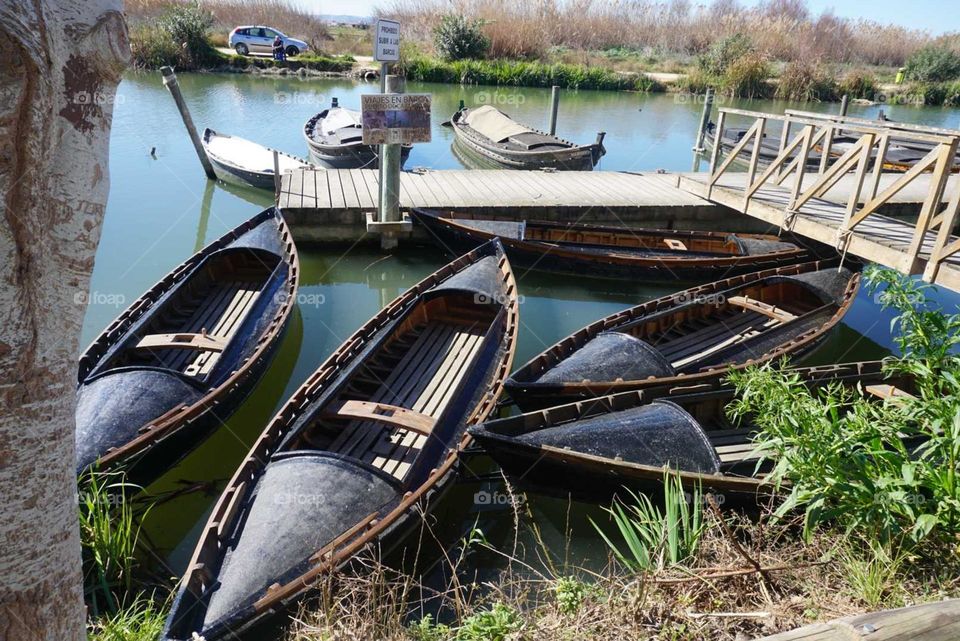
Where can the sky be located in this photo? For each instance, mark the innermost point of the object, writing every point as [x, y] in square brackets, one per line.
[936, 16]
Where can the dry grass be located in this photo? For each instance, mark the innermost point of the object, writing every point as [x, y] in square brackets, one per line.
[552, 600]
[780, 29]
[284, 15]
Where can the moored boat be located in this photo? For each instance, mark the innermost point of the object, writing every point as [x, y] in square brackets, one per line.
[172, 367]
[692, 335]
[335, 140]
[614, 252]
[599, 445]
[359, 451]
[243, 162]
[487, 138]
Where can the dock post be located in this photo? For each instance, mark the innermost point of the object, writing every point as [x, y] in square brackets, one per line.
[844, 103]
[384, 71]
[170, 82]
[276, 174]
[554, 106]
[704, 120]
[390, 171]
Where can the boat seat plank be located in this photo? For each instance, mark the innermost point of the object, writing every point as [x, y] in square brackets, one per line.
[764, 308]
[886, 391]
[694, 341]
[751, 329]
[225, 328]
[383, 413]
[182, 341]
[215, 303]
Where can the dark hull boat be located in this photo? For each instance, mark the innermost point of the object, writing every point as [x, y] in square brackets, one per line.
[335, 140]
[487, 138]
[365, 445]
[177, 362]
[692, 335]
[599, 445]
[613, 252]
[243, 162]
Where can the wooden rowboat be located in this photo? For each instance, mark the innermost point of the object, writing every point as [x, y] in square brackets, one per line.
[359, 451]
[692, 335]
[597, 446]
[335, 140]
[487, 138]
[175, 364]
[614, 252]
[243, 162]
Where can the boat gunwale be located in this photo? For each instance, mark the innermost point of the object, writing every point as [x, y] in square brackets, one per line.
[217, 158]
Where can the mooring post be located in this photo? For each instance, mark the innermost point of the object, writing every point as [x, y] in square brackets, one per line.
[554, 106]
[704, 120]
[844, 103]
[384, 71]
[390, 170]
[170, 82]
[276, 175]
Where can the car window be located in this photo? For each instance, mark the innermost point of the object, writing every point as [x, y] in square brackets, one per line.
[271, 33]
[261, 33]
[243, 32]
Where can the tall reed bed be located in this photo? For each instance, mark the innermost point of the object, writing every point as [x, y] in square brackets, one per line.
[781, 30]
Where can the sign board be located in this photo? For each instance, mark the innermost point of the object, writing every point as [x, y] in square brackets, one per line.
[395, 118]
[386, 44]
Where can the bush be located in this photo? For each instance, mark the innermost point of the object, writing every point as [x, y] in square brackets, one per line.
[933, 64]
[496, 624]
[805, 81]
[178, 38]
[859, 84]
[847, 458]
[747, 77]
[458, 38]
[724, 53]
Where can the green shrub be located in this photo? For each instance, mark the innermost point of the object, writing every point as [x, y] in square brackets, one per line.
[724, 53]
[859, 84]
[747, 77]
[495, 624]
[143, 620]
[152, 47]
[179, 38]
[847, 458]
[570, 593]
[427, 630]
[698, 80]
[457, 38]
[805, 81]
[933, 64]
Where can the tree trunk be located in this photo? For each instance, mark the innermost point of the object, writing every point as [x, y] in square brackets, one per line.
[60, 62]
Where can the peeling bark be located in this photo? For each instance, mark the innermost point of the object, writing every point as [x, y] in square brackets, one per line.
[60, 62]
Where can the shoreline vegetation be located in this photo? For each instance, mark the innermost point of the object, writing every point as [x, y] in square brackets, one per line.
[855, 521]
[777, 49]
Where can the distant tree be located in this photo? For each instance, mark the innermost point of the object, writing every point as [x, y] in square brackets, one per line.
[457, 37]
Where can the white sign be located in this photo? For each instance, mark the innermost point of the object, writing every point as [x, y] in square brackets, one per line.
[386, 47]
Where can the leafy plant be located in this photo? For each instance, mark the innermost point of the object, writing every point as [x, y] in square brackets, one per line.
[142, 620]
[570, 592]
[888, 470]
[724, 53]
[653, 537]
[427, 630]
[494, 624]
[747, 77]
[457, 37]
[933, 64]
[859, 84]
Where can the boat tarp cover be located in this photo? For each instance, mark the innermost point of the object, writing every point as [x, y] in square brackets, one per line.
[829, 284]
[503, 228]
[607, 357]
[112, 408]
[657, 434]
[302, 502]
[494, 124]
[483, 277]
[338, 118]
[756, 246]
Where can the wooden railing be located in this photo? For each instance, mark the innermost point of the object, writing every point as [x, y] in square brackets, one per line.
[806, 146]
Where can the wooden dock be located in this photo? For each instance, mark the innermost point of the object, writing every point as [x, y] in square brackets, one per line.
[929, 622]
[329, 205]
[838, 204]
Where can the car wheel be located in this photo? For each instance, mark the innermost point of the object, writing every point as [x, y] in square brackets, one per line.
[242, 49]
[293, 51]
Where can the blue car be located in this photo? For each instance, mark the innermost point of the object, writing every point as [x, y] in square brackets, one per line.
[256, 39]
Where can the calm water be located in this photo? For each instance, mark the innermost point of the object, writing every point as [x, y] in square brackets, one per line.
[163, 209]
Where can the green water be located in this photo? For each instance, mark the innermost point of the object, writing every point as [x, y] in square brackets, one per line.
[162, 209]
